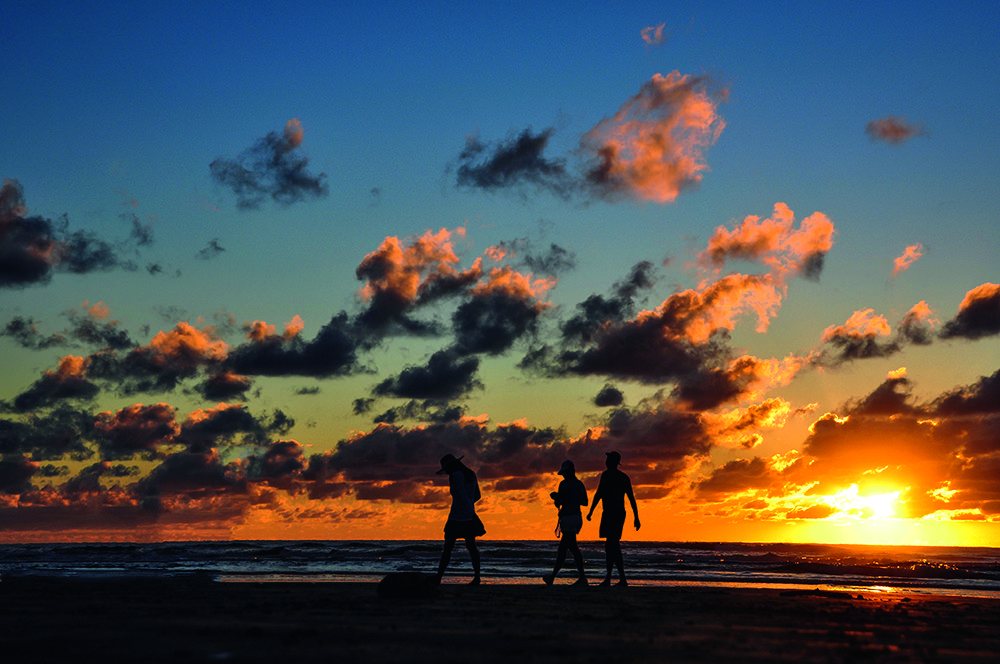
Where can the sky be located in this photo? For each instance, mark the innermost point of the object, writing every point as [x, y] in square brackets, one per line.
[260, 270]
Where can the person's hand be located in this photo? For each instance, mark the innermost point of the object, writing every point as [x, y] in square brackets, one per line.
[637, 523]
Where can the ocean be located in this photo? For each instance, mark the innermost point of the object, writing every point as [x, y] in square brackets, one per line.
[966, 571]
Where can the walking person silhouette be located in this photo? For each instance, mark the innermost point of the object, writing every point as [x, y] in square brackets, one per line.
[612, 490]
[569, 498]
[463, 522]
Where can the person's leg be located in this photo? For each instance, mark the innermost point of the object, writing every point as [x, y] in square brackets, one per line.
[609, 561]
[574, 548]
[620, 563]
[560, 559]
[470, 544]
[449, 544]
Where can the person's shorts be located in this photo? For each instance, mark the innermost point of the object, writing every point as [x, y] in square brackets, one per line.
[464, 529]
[571, 524]
[612, 524]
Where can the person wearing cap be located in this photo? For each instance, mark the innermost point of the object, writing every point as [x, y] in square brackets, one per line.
[569, 498]
[463, 522]
[612, 490]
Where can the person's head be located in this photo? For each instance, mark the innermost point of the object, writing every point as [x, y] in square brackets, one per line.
[449, 464]
[613, 460]
[567, 469]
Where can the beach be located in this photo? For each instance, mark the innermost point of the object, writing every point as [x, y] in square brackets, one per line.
[199, 619]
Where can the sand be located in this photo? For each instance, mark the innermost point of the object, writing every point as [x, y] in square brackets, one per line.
[199, 620]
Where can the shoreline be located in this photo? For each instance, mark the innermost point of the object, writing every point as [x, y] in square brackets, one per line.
[195, 618]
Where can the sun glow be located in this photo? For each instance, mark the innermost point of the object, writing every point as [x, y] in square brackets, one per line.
[851, 502]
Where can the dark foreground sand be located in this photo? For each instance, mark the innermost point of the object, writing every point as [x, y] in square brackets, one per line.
[198, 620]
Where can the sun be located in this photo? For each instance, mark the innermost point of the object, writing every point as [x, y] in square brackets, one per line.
[875, 506]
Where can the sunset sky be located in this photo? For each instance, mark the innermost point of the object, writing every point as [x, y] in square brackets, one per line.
[260, 269]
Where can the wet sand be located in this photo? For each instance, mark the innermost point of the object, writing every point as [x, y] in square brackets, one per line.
[200, 620]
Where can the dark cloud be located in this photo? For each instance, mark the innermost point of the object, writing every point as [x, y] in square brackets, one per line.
[433, 411]
[978, 315]
[225, 385]
[232, 425]
[447, 375]
[737, 476]
[492, 322]
[141, 234]
[515, 162]
[522, 255]
[67, 382]
[333, 352]
[980, 398]
[16, 474]
[136, 429]
[609, 396]
[60, 432]
[24, 331]
[281, 463]
[272, 169]
[211, 250]
[893, 130]
[33, 248]
[597, 310]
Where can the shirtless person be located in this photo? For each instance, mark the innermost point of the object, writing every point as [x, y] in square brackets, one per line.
[612, 489]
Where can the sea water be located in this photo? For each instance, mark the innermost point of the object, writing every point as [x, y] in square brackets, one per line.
[971, 571]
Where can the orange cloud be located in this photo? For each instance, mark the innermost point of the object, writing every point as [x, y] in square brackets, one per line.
[185, 347]
[774, 241]
[509, 282]
[893, 130]
[862, 324]
[907, 258]
[401, 269]
[293, 133]
[653, 34]
[652, 147]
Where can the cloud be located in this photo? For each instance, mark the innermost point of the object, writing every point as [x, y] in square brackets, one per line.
[68, 381]
[909, 256]
[520, 253]
[978, 315]
[272, 169]
[609, 396]
[225, 385]
[860, 337]
[160, 365]
[893, 130]
[332, 352]
[503, 308]
[517, 161]
[136, 429]
[210, 251]
[400, 276]
[598, 310]
[24, 332]
[447, 375]
[33, 248]
[775, 242]
[653, 34]
[652, 148]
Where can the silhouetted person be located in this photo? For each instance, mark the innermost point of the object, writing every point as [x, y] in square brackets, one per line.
[569, 498]
[463, 523]
[612, 489]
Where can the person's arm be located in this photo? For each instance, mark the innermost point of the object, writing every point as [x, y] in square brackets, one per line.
[631, 499]
[597, 499]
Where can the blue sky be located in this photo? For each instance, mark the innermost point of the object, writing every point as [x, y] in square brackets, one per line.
[115, 112]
